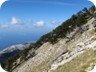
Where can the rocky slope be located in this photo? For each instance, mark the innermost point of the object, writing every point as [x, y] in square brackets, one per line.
[51, 58]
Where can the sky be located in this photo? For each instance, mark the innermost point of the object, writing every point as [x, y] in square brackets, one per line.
[23, 21]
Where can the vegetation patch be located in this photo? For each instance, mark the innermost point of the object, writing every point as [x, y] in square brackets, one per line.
[80, 63]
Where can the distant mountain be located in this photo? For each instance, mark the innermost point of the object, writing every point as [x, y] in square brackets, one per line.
[12, 50]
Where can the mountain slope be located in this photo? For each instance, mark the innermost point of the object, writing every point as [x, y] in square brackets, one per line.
[50, 57]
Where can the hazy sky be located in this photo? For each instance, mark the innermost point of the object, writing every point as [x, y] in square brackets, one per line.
[26, 20]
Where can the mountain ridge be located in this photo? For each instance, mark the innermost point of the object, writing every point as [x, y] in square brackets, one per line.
[12, 50]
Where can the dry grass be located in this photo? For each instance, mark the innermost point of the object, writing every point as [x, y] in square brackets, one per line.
[80, 63]
[42, 67]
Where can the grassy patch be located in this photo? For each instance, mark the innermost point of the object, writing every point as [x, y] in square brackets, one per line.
[80, 63]
[92, 32]
[94, 38]
[40, 68]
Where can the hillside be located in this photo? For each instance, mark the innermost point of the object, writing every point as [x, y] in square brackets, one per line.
[71, 47]
[77, 54]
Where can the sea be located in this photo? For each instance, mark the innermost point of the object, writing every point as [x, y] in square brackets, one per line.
[14, 39]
